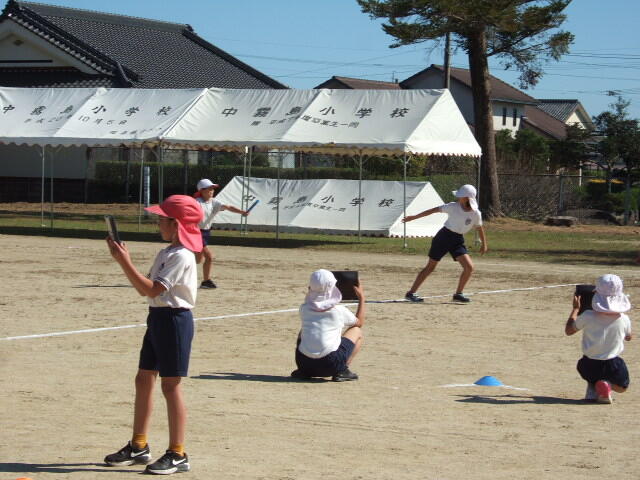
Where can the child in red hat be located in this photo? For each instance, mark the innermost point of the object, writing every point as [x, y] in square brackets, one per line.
[171, 288]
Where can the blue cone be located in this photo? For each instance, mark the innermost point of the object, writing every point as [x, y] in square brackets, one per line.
[489, 381]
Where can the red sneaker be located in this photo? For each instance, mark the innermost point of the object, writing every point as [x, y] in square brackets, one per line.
[604, 391]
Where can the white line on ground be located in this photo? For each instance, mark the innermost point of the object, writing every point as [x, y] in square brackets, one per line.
[270, 312]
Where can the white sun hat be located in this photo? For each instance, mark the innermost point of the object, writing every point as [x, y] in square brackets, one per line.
[470, 192]
[323, 293]
[609, 297]
[206, 183]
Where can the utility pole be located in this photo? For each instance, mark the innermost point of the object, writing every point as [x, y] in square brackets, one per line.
[447, 60]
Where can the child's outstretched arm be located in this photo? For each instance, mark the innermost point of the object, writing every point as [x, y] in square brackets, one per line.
[143, 285]
[570, 328]
[410, 218]
[233, 209]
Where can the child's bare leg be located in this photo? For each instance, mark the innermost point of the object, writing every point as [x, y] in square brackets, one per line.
[145, 381]
[176, 409]
[355, 335]
[423, 274]
[467, 270]
[617, 388]
[199, 257]
[208, 262]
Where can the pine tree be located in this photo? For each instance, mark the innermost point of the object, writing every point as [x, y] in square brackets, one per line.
[518, 32]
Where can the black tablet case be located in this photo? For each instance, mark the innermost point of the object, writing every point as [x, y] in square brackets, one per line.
[346, 279]
[585, 292]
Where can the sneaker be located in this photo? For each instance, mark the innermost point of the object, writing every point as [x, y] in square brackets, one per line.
[299, 375]
[604, 392]
[208, 284]
[459, 297]
[591, 395]
[128, 455]
[344, 376]
[412, 297]
[169, 463]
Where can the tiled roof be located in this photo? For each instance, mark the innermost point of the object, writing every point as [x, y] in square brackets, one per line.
[543, 122]
[137, 52]
[499, 90]
[560, 109]
[53, 78]
[358, 84]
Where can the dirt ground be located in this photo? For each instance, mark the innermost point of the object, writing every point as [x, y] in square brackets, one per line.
[67, 395]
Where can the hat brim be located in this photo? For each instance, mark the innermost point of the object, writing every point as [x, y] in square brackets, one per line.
[610, 304]
[157, 210]
[189, 235]
[323, 300]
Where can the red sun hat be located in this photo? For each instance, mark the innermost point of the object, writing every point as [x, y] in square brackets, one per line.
[188, 213]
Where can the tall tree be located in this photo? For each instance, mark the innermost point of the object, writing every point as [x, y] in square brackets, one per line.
[518, 32]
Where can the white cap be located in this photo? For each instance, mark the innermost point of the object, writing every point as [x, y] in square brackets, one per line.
[206, 183]
[323, 293]
[609, 297]
[470, 192]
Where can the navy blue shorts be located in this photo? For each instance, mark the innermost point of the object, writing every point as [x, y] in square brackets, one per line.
[166, 346]
[445, 242]
[206, 236]
[613, 370]
[328, 365]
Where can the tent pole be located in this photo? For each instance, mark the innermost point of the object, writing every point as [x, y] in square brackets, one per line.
[405, 160]
[359, 193]
[243, 197]
[160, 173]
[278, 197]
[479, 163]
[246, 219]
[140, 190]
[51, 192]
[42, 190]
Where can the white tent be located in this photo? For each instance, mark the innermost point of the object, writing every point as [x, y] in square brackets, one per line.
[331, 206]
[363, 122]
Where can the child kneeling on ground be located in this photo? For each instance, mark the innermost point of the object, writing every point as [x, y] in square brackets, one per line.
[322, 349]
[604, 330]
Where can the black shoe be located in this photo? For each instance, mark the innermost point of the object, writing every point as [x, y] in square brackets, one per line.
[128, 455]
[170, 462]
[412, 297]
[297, 374]
[208, 284]
[459, 297]
[344, 376]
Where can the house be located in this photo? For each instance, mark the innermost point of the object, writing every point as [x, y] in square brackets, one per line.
[512, 108]
[570, 112]
[358, 84]
[50, 46]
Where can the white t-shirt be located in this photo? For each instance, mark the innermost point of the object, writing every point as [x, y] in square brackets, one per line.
[175, 268]
[321, 332]
[603, 334]
[459, 220]
[210, 208]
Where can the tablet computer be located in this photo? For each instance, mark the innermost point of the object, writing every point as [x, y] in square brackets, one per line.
[585, 292]
[112, 228]
[346, 280]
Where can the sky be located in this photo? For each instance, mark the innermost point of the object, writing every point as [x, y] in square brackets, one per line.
[302, 43]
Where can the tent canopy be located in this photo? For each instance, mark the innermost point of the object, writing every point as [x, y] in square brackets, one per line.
[344, 122]
[332, 206]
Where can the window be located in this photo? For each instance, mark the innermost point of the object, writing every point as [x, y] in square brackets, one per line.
[504, 115]
[515, 117]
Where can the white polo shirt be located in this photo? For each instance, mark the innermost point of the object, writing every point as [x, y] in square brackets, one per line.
[175, 268]
[321, 332]
[210, 208]
[602, 334]
[459, 220]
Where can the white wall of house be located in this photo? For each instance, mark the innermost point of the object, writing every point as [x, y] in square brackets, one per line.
[575, 119]
[23, 161]
[506, 116]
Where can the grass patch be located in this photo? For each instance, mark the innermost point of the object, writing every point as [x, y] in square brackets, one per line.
[536, 243]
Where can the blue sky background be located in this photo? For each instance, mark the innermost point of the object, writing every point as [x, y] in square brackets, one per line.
[302, 43]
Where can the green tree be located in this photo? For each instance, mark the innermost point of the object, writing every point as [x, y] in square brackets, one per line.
[571, 152]
[532, 150]
[518, 32]
[619, 144]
